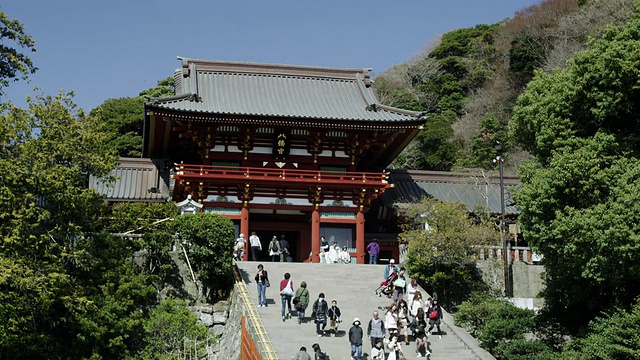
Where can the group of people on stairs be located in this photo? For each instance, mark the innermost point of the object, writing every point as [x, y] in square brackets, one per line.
[403, 319]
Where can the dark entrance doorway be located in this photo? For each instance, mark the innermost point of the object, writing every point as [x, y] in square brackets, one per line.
[292, 237]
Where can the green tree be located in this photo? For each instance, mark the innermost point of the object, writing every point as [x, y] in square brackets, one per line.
[12, 61]
[483, 144]
[173, 332]
[613, 336]
[112, 324]
[209, 239]
[155, 222]
[443, 256]
[124, 118]
[47, 154]
[579, 200]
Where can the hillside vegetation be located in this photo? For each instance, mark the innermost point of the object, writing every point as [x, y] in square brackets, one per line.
[468, 80]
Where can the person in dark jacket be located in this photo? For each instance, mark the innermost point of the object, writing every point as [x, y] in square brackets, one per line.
[319, 314]
[355, 338]
[318, 354]
[334, 317]
[284, 248]
[435, 316]
[262, 279]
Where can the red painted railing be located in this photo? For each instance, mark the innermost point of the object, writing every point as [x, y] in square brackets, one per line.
[187, 171]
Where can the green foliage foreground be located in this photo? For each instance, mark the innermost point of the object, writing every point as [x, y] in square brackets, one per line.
[442, 257]
[580, 199]
[68, 288]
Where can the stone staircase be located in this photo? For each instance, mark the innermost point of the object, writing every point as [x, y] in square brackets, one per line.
[353, 287]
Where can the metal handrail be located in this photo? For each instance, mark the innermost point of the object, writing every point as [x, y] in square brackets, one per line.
[255, 326]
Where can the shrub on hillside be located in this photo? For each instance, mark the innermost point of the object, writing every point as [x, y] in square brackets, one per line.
[209, 239]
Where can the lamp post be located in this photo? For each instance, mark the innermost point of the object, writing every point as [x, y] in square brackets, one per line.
[503, 239]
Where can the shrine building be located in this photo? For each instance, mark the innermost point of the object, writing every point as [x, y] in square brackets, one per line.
[282, 150]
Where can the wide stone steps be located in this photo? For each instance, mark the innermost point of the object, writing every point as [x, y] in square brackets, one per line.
[353, 287]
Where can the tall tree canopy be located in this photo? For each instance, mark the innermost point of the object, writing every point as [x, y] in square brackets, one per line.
[124, 118]
[12, 61]
[47, 153]
[580, 198]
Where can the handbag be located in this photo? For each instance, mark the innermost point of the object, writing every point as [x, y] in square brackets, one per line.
[433, 315]
[287, 290]
[399, 282]
[267, 283]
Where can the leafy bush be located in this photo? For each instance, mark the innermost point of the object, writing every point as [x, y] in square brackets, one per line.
[173, 332]
[209, 239]
[494, 321]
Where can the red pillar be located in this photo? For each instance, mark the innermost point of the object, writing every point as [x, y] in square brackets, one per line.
[315, 236]
[360, 237]
[244, 229]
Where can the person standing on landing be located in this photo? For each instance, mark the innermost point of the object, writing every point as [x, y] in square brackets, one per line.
[324, 249]
[375, 330]
[373, 249]
[239, 247]
[262, 279]
[284, 248]
[274, 249]
[334, 317]
[355, 338]
[286, 293]
[435, 316]
[319, 314]
[256, 246]
[344, 257]
[302, 297]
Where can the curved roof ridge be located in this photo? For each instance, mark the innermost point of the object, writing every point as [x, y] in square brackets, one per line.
[267, 68]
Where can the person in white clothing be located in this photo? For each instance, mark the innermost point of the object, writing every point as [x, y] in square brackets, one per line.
[239, 246]
[411, 289]
[395, 351]
[345, 257]
[332, 255]
[256, 246]
[391, 320]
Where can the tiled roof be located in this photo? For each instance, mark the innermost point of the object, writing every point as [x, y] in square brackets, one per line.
[471, 189]
[136, 180]
[267, 90]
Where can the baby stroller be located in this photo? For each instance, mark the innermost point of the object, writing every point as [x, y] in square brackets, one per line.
[386, 287]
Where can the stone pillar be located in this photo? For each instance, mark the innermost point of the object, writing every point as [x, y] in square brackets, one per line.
[315, 236]
[244, 229]
[360, 237]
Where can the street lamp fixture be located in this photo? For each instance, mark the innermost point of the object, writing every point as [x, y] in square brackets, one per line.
[504, 239]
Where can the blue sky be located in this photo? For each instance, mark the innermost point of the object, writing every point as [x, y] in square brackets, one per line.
[117, 48]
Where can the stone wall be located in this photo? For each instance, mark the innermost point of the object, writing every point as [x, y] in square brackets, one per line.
[526, 280]
[224, 319]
